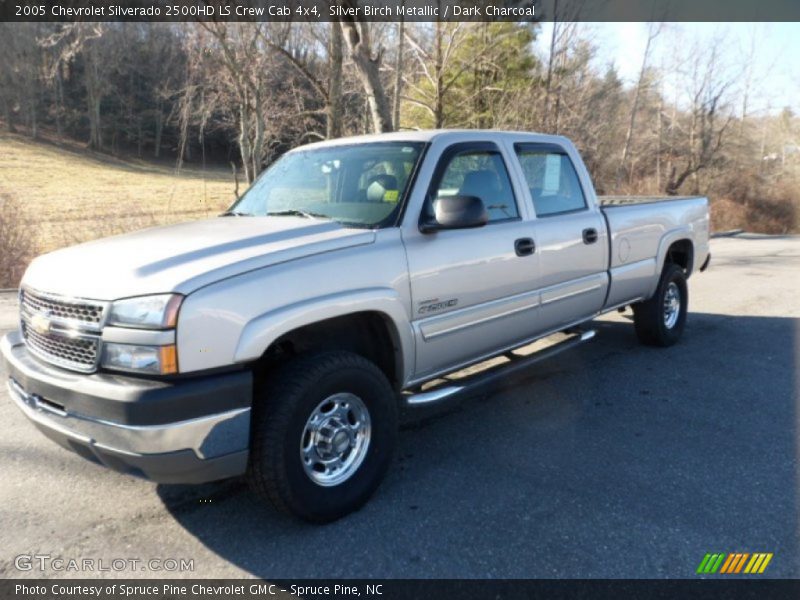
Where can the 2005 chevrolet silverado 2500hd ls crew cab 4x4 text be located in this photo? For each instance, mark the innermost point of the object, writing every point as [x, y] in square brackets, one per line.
[281, 339]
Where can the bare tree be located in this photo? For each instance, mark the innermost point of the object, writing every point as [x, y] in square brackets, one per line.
[245, 65]
[327, 86]
[564, 34]
[86, 41]
[17, 45]
[17, 241]
[653, 29]
[253, 90]
[334, 99]
[356, 32]
[398, 72]
[708, 119]
[436, 62]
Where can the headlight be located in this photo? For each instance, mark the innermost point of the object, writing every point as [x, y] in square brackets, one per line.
[146, 312]
[161, 360]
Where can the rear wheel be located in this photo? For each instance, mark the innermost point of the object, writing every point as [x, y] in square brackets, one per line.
[660, 320]
[324, 430]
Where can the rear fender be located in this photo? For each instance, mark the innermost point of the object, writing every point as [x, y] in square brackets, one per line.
[674, 235]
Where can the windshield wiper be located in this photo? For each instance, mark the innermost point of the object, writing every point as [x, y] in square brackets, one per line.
[294, 212]
[233, 213]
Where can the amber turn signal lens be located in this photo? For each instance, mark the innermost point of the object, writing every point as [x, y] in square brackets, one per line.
[168, 359]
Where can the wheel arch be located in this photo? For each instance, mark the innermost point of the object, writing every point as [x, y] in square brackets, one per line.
[681, 253]
[372, 323]
[676, 247]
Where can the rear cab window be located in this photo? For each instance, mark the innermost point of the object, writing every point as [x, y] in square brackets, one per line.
[551, 179]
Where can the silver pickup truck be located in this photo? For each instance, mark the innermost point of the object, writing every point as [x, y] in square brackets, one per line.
[281, 340]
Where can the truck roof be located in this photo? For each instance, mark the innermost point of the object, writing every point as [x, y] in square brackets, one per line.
[429, 135]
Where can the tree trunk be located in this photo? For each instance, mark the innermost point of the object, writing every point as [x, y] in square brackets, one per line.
[481, 75]
[674, 184]
[334, 104]
[635, 107]
[95, 135]
[159, 130]
[660, 142]
[139, 136]
[762, 147]
[398, 73]
[550, 65]
[93, 101]
[186, 111]
[115, 141]
[8, 116]
[259, 135]
[438, 105]
[671, 133]
[245, 149]
[34, 121]
[59, 104]
[368, 68]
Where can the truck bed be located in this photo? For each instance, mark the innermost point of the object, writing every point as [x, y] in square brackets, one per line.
[611, 201]
[641, 228]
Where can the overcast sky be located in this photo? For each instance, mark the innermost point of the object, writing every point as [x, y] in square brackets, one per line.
[776, 76]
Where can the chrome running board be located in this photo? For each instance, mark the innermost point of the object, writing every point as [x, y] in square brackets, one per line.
[474, 383]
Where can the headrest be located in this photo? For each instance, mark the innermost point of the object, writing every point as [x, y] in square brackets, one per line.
[376, 191]
[481, 183]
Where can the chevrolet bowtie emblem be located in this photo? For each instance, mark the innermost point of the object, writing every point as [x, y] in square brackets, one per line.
[40, 323]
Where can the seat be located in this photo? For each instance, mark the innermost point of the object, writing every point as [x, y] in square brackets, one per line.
[482, 183]
[380, 184]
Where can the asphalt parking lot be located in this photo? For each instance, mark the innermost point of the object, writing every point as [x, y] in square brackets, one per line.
[614, 460]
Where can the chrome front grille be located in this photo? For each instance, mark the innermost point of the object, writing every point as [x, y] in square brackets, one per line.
[79, 354]
[79, 311]
[62, 331]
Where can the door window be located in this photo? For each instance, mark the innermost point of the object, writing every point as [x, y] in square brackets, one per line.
[483, 174]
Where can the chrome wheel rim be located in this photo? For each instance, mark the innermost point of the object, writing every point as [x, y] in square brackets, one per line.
[672, 305]
[335, 439]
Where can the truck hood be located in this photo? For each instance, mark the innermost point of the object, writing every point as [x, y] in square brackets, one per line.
[182, 258]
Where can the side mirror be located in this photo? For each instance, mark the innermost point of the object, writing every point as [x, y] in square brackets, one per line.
[456, 212]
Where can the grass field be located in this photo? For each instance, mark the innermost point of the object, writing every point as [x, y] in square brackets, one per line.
[68, 195]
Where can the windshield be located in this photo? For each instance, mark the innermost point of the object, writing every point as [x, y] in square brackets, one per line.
[361, 185]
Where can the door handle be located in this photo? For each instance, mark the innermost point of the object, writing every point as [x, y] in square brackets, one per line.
[524, 247]
[589, 235]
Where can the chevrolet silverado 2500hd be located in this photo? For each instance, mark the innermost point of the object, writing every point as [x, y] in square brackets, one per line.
[280, 340]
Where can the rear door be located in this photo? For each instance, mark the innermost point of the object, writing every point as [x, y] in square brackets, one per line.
[473, 290]
[570, 236]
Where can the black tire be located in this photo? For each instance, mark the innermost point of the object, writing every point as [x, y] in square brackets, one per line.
[652, 327]
[281, 409]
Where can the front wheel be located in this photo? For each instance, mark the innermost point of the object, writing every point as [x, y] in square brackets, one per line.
[660, 320]
[324, 430]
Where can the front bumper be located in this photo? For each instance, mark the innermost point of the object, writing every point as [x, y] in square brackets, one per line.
[170, 432]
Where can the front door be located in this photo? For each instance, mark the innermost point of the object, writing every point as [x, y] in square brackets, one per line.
[473, 290]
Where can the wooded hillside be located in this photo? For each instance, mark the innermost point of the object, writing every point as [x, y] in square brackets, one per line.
[237, 95]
